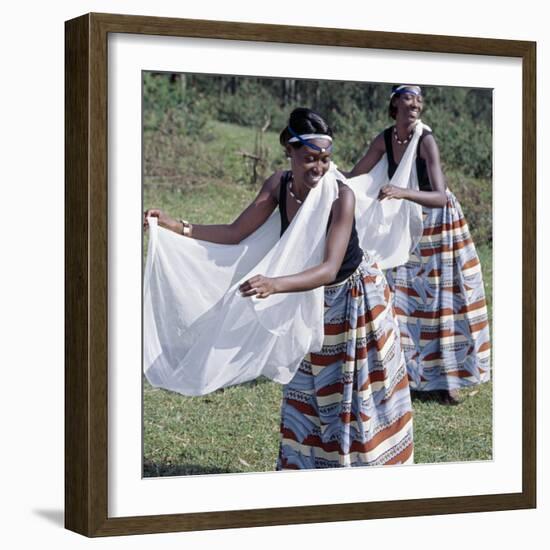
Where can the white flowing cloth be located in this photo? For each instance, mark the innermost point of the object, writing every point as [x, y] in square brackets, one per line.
[389, 229]
[200, 334]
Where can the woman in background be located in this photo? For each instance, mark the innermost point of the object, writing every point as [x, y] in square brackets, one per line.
[439, 296]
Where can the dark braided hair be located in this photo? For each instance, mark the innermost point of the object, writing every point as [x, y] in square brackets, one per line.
[304, 121]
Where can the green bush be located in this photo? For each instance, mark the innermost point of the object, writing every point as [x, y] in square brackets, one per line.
[177, 106]
[465, 144]
[475, 197]
[172, 107]
[252, 106]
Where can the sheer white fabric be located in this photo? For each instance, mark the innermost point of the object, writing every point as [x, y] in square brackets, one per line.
[200, 334]
[389, 229]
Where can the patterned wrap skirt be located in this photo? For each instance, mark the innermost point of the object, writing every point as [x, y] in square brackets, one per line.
[439, 300]
[349, 404]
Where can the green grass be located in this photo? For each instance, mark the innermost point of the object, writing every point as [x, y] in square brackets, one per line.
[237, 429]
[175, 161]
[232, 430]
[219, 202]
[454, 434]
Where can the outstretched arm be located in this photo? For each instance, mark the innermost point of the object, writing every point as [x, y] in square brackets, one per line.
[372, 156]
[254, 215]
[338, 236]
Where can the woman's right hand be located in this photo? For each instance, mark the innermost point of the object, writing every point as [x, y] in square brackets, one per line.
[164, 220]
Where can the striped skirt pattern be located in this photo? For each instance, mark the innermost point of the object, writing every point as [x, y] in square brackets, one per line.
[439, 300]
[349, 404]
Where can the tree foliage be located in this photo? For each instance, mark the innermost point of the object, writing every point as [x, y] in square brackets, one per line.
[182, 145]
[461, 118]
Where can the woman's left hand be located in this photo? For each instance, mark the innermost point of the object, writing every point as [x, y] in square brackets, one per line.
[391, 192]
[258, 286]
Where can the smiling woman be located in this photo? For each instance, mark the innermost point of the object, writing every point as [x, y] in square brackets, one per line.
[439, 292]
[346, 399]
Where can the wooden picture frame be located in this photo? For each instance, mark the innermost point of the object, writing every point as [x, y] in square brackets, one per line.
[86, 282]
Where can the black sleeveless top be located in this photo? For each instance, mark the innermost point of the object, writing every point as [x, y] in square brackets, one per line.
[353, 255]
[421, 168]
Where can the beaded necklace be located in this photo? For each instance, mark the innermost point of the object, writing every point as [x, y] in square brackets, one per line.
[401, 142]
[292, 194]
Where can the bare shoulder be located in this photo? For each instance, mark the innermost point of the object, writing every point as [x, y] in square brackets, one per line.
[428, 147]
[271, 184]
[274, 180]
[429, 139]
[379, 143]
[346, 197]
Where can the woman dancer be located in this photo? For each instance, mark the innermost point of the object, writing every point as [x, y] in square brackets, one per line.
[438, 294]
[348, 404]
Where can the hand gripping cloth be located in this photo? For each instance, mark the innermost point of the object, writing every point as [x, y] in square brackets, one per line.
[390, 229]
[200, 334]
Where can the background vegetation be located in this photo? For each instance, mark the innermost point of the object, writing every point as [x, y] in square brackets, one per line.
[208, 143]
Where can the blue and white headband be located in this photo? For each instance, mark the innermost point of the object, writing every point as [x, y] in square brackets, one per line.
[406, 88]
[304, 139]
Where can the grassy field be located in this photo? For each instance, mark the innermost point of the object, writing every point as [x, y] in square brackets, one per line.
[237, 429]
